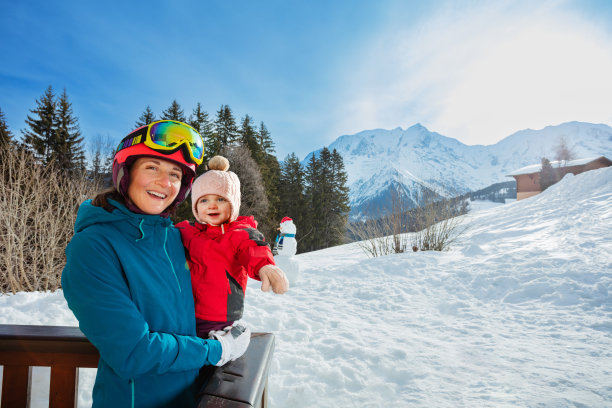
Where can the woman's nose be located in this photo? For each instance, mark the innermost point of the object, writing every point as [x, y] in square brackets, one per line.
[164, 180]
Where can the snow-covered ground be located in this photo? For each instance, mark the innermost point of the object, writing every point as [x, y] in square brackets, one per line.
[518, 314]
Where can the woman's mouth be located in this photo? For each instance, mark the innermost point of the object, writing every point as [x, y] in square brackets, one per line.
[157, 195]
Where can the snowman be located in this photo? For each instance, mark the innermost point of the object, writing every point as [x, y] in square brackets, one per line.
[285, 248]
[286, 244]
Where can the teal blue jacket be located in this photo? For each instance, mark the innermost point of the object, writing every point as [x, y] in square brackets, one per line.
[127, 282]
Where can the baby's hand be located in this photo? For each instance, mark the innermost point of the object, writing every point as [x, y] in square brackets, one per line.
[272, 275]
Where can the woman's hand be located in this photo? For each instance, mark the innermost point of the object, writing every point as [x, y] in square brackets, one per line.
[273, 276]
[234, 341]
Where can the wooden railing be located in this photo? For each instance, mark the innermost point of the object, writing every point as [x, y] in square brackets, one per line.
[239, 384]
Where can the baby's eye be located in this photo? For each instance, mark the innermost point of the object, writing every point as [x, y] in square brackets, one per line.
[203, 200]
[220, 199]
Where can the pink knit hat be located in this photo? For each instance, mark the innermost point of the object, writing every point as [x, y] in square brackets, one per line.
[217, 180]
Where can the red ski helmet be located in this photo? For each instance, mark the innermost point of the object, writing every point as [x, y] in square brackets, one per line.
[167, 139]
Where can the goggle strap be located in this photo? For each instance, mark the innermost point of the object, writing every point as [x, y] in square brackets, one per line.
[131, 141]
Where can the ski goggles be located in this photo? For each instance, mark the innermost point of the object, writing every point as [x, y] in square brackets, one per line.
[167, 136]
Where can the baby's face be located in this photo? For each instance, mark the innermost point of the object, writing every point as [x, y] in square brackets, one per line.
[213, 209]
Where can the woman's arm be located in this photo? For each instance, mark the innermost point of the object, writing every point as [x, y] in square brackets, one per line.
[97, 292]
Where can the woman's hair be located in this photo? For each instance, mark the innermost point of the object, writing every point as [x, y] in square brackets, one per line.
[101, 199]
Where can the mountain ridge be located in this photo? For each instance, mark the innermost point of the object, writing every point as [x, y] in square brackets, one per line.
[381, 161]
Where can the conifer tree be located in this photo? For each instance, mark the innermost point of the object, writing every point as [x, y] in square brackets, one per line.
[265, 140]
[248, 138]
[102, 152]
[145, 118]
[68, 142]
[96, 165]
[313, 208]
[6, 136]
[548, 175]
[340, 199]
[270, 173]
[199, 121]
[268, 167]
[291, 193]
[39, 135]
[325, 200]
[326, 197]
[225, 132]
[174, 112]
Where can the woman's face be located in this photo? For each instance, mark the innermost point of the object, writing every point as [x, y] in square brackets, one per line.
[154, 184]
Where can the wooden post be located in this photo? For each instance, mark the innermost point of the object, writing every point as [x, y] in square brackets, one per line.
[16, 381]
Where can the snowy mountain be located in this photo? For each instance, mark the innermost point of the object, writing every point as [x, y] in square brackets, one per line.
[517, 314]
[379, 161]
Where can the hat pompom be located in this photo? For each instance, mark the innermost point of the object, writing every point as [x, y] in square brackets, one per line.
[218, 163]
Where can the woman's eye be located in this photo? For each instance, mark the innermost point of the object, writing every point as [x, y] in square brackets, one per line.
[176, 176]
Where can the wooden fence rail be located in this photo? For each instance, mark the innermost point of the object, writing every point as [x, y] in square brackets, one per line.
[239, 384]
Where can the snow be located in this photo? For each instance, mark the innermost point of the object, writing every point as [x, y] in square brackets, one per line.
[479, 205]
[536, 168]
[518, 313]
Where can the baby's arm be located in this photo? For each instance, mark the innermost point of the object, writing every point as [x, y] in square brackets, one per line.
[273, 276]
[255, 254]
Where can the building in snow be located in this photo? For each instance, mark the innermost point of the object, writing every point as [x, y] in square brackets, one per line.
[528, 178]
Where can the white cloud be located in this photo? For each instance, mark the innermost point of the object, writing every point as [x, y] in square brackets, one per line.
[482, 73]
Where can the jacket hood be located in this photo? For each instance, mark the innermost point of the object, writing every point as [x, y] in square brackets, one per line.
[89, 215]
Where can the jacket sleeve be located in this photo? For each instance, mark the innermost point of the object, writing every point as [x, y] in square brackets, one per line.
[253, 251]
[98, 294]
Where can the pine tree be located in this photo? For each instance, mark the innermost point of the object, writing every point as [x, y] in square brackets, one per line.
[145, 118]
[199, 121]
[264, 139]
[6, 136]
[291, 193]
[68, 142]
[314, 202]
[102, 152]
[325, 200]
[40, 134]
[548, 175]
[326, 197]
[269, 169]
[270, 173]
[96, 165]
[174, 112]
[225, 132]
[340, 199]
[248, 139]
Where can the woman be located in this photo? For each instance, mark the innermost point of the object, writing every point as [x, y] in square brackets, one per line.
[127, 281]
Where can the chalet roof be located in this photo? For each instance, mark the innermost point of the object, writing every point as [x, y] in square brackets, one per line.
[536, 168]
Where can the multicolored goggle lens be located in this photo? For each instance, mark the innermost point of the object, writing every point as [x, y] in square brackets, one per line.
[167, 136]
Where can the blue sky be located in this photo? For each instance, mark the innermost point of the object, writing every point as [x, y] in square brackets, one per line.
[312, 71]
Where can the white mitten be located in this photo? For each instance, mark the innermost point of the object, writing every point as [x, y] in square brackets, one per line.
[272, 275]
[234, 341]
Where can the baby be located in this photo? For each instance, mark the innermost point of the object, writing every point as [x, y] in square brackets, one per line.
[223, 249]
